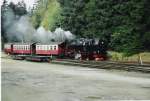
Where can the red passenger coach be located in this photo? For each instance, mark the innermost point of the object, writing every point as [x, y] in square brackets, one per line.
[50, 49]
[23, 48]
[8, 48]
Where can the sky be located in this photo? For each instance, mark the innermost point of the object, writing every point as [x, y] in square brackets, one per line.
[29, 3]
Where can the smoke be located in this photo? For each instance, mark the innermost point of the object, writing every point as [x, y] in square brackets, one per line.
[59, 35]
[20, 29]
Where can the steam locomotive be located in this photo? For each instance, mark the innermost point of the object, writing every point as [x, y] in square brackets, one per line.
[83, 49]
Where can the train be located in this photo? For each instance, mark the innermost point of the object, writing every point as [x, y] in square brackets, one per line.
[82, 49]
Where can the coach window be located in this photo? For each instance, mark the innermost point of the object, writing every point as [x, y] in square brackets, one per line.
[38, 47]
[54, 47]
[47, 47]
[43, 47]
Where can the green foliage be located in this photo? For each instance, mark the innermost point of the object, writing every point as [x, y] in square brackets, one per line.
[46, 14]
[116, 56]
[122, 23]
[50, 19]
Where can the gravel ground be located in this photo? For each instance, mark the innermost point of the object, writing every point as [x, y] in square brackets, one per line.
[33, 81]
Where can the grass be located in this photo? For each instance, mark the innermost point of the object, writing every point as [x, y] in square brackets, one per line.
[115, 56]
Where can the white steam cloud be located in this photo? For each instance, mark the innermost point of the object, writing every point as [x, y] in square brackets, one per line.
[59, 35]
[19, 29]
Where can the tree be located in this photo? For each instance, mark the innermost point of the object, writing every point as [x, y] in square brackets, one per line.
[4, 10]
[46, 14]
[124, 23]
[130, 27]
[19, 8]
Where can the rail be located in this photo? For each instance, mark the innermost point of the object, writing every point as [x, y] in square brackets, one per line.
[104, 65]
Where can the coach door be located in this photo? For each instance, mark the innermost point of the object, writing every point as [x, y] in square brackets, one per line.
[11, 45]
[33, 48]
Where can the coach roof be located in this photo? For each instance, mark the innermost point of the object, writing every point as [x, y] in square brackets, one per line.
[50, 43]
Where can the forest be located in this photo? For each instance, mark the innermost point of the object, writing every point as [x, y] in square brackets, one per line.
[123, 24]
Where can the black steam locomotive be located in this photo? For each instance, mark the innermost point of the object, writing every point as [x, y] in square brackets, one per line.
[87, 49]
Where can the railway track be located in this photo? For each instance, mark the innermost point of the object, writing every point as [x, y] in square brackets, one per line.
[101, 65]
[104, 65]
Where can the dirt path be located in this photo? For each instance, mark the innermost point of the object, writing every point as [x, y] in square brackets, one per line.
[32, 81]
